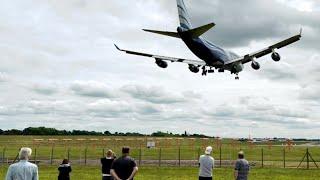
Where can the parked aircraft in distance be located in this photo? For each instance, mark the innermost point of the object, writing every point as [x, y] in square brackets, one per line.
[212, 56]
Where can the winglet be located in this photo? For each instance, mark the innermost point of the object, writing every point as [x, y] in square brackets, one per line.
[301, 31]
[117, 47]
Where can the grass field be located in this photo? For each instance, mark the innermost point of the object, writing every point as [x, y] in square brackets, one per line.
[77, 148]
[154, 173]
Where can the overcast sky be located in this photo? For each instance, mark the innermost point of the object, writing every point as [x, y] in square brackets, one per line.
[59, 68]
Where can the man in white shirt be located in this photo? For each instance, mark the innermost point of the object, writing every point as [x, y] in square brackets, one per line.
[23, 170]
[206, 163]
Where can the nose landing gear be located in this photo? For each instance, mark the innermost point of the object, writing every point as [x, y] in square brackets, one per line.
[237, 77]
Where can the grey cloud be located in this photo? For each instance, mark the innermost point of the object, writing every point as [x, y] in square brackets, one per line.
[153, 94]
[45, 89]
[92, 89]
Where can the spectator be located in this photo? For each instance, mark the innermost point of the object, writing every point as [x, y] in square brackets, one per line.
[124, 168]
[241, 168]
[106, 163]
[206, 163]
[23, 170]
[64, 170]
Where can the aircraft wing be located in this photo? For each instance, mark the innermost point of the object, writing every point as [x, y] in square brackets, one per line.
[248, 58]
[164, 58]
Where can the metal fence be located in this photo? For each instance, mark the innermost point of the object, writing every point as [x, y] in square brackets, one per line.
[166, 152]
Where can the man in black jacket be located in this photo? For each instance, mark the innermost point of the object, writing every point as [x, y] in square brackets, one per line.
[124, 168]
[106, 163]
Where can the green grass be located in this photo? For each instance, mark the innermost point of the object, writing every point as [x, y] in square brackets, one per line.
[150, 173]
[170, 150]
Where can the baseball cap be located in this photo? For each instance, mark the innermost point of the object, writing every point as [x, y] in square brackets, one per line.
[208, 150]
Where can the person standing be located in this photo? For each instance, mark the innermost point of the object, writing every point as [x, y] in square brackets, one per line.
[242, 167]
[124, 168]
[64, 170]
[106, 163]
[23, 170]
[206, 163]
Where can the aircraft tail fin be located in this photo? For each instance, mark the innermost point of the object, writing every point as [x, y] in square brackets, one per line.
[165, 33]
[196, 32]
[184, 17]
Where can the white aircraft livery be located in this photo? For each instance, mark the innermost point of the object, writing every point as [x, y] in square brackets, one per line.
[211, 56]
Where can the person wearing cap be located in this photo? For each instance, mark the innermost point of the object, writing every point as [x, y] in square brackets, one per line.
[106, 163]
[242, 167]
[206, 163]
[23, 170]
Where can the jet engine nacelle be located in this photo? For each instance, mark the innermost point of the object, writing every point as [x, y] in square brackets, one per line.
[161, 63]
[255, 65]
[276, 56]
[193, 68]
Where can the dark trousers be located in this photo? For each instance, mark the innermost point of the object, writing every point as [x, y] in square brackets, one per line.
[205, 178]
[107, 178]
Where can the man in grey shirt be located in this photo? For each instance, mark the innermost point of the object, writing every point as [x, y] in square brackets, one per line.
[206, 163]
[241, 167]
[23, 170]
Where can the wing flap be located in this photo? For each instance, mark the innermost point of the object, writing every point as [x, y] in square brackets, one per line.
[165, 33]
[164, 58]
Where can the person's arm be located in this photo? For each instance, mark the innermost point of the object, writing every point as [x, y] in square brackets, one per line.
[9, 177]
[35, 174]
[236, 170]
[70, 169]
[114, 174]
[235, 174]
[134, 172]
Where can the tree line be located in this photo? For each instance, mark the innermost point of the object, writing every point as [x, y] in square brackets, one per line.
[43, 131]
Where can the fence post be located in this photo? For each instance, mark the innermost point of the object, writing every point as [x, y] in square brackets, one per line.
[51, 156]
[220, 151]
[103, 152]
[198, 153]
[307, 158]
[85, 156]
[3, 154]
[284, 157]
[262, 158]
[160, 153]
[140, 154]
[35, 155]
[179, 155]
[69, 154]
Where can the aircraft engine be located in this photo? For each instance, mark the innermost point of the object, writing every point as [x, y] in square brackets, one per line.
[193, 68]
[255, 65]
[161, 63]
[276, 56]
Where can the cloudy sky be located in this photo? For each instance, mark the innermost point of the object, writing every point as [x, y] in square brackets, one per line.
[59, 68]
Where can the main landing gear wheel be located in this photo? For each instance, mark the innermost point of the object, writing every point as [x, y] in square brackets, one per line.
[237, 77]
[204, 71]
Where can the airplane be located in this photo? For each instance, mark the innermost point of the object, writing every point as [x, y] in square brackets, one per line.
[211, 56]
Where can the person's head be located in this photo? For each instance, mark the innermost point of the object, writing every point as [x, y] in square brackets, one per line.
[241, 155]
[208, 150]
[125, 151]
[109, 153]
[65, 161]
[25, 153]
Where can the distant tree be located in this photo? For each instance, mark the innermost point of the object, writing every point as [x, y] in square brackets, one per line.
[1, 131]
[107, 133]
[12, 132]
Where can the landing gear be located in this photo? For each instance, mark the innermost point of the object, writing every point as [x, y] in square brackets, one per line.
[237, 77]
[221, 70]
[204, 71]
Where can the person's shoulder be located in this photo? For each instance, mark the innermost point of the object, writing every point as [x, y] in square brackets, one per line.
[32, 165]
[203, 156]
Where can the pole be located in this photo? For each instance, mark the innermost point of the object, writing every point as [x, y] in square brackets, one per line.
[3, 154]
[51, 156]
[220, 152]
[68, 154]
[262, 158]
[140, 154]
[103, 152]
[35, 155]
[179, 155]
[160, 157]
[284, 157]
[307, 158]
[85, 156]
